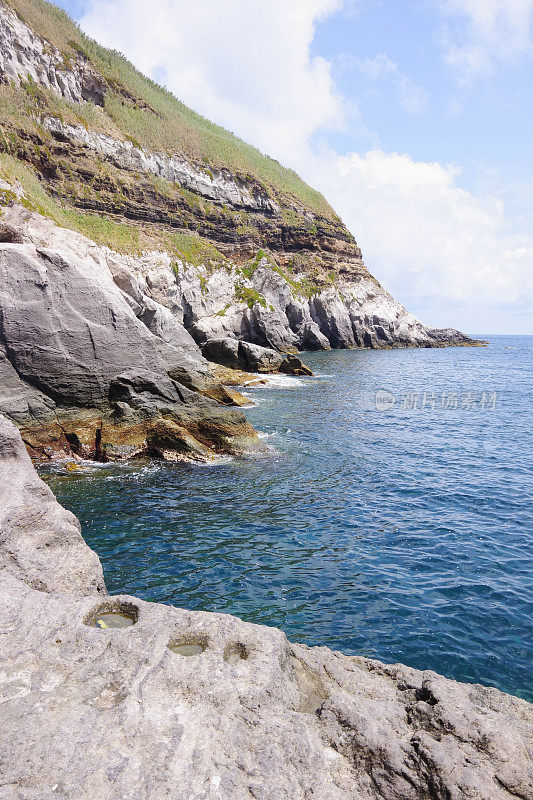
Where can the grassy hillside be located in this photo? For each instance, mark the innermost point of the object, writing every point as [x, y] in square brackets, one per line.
[139, 109]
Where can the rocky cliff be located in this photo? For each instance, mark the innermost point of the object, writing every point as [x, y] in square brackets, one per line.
[138, 238]
[198, 706]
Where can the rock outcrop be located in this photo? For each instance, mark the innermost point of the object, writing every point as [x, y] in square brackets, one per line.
[90, 369]
[26, 56]
[123, 714]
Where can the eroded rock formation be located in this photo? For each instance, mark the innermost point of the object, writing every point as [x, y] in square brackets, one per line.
[210, 245]
[88, 368]
[116, 714]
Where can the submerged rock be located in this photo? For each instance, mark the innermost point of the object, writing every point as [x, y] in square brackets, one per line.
[194, 705]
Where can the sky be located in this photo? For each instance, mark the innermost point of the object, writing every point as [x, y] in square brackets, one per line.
[413, 118]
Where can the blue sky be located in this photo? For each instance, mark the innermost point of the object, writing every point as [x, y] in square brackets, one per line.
[414, 119]
[491, 128]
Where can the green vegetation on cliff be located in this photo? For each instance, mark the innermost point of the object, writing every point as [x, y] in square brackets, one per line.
[106, 194]
[147, 114]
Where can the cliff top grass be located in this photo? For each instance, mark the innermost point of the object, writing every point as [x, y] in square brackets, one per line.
[138, 109]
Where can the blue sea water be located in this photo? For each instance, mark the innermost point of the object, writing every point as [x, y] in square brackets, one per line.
[401, 533]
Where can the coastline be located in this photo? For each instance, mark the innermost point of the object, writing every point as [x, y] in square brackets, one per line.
[137, 713]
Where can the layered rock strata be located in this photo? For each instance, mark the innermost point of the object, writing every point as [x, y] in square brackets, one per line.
[268, 269]
[122, 714]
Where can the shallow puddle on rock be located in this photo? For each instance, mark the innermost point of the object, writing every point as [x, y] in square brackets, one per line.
[235, 653]
[186, 649]
[112, 620]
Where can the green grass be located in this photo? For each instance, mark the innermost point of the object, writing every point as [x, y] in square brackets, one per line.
[245, 294]
[139, 109]
[195, 250]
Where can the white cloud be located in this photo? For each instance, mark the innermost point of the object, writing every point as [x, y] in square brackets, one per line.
[244, 64]
[426, 238]
[247, 65]
[483, 33]
[412, 98]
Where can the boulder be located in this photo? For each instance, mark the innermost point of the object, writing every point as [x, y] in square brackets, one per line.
[224, 351]
[292, 365]
[252, 357]
[259, 359]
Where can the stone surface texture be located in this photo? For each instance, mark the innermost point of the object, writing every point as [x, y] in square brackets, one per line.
[26, 56]
[90, 365]
[116, 715]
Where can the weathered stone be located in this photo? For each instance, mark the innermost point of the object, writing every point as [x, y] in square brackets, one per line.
[292, 365]
[122, 714]
[89, 364]
[40, 542]
[225, 352]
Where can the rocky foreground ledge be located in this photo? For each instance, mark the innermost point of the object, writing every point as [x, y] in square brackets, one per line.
[115, 714]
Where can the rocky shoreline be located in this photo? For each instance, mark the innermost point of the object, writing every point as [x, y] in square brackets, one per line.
[107, 357]
[143, 249]
[150, 264]
[198, 706]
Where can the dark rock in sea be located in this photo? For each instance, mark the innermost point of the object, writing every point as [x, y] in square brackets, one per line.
[114, 697]
[292, 365]
[252, 357]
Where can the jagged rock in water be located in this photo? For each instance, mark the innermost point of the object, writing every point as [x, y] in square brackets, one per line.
[191, 705]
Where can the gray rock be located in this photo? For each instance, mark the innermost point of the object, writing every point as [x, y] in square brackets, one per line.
[223, 351]
[116, 714]
[20, 401]
[244, 355]
[85, 371]
[65, 330]
[40, 542]
[259, 359]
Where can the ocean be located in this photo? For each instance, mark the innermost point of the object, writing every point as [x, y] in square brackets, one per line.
[390, 516]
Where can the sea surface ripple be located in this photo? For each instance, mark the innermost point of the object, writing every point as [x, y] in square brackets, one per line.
[402, 534]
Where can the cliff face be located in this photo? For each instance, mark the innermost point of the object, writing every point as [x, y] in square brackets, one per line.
[90, 711]
[135, 233]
